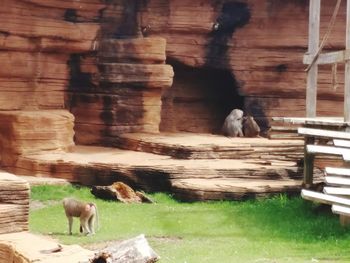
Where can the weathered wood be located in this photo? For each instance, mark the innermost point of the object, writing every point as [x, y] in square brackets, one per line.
[341, 143]
[324, 198]
[135, 250]
[340, 181]
[322, 149]
[120, 191]
[335, 122]
[336, 190]
[321, 133]
[328, 58]
[347, 67]
[314, 38]
[337, 171]
[342, 210]
[308, 163]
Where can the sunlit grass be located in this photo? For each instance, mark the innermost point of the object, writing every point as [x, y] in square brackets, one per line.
[279, 229]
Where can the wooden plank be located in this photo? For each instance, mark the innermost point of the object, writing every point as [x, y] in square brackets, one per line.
[336, 190]
[321, 149]
[337, 122]
[321, 133]
[308, 163]
[314, 38]
[329, 57]
[347, 67]
[341, 210]
[337, 171]
[346, 156]
[324, 198]
[334, 180]
[341, 143]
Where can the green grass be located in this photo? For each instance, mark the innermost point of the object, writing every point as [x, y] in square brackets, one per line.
[279, 229]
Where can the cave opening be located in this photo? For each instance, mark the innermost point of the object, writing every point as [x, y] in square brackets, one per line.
[199, 99]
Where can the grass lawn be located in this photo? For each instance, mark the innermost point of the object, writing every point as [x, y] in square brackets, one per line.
[276, 230]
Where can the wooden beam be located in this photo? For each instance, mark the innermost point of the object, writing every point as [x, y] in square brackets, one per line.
[347, 67]
[322, 149]
[314, 39]
[328, 58]
[308, 163]
[319, 133]
[336, 190]
[334, 180]
[339, 209]
[341, 143]
[337, 171]
[323, 198]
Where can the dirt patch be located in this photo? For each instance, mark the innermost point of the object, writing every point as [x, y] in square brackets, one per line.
[36, 205]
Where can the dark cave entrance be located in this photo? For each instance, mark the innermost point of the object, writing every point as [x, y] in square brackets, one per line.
[199, 100]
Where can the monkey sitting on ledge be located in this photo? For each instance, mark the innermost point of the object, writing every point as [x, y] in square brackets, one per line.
[250, 127]
[233, 124]
[87, 212]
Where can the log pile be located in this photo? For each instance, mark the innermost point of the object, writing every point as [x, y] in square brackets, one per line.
[14, 203]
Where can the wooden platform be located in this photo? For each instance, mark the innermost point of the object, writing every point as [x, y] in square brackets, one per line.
[263, 171]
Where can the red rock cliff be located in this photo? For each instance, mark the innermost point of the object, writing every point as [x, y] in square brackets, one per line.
[93, 58]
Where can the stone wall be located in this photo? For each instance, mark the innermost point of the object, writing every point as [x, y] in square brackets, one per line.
[224, 54]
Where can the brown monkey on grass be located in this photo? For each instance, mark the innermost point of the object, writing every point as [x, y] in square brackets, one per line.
[87, 212]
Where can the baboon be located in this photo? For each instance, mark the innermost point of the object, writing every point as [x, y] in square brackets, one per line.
[250, 127]
[87, 212]
[233, 124]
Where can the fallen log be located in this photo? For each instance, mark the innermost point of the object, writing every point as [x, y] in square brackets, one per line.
[120, 192]
[135, 250]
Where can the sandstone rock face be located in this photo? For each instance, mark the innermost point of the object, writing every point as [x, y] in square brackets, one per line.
[130, 76]
[14, 203]
[37, 39]
[24, 132]
[105, 62]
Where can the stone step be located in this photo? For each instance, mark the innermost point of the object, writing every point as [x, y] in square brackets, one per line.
[151, 172]
[209, 146]
[27, 247]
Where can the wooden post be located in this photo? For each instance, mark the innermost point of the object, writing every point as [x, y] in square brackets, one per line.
[347, 67]
[314, 39]
[308, 163]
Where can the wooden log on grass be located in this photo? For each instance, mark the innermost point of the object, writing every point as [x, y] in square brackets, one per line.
[135, 250]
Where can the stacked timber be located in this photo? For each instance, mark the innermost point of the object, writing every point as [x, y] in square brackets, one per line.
[131, 74]
[14, 203]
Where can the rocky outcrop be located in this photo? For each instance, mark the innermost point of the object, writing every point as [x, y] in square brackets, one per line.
[24, 132]
[14, 203]
[131, 74]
